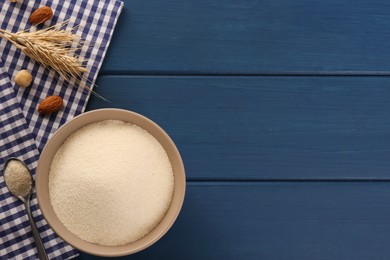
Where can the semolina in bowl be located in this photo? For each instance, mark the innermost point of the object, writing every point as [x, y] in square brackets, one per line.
[110, 182]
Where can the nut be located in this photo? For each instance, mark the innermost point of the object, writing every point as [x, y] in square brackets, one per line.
[23, 78]
[50, 105]
[41, 15]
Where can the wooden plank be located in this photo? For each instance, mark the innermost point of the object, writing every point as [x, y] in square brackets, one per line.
[323, 221]
[266, 127]
[250, 36]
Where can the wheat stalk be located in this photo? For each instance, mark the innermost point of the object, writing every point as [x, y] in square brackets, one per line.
[54, 48]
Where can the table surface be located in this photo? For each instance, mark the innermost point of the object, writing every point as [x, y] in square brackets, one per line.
[281, 111]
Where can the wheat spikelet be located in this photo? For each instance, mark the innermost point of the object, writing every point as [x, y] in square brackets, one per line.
[53, 48]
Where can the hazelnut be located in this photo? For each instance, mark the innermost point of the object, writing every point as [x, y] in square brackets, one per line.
[23, 78]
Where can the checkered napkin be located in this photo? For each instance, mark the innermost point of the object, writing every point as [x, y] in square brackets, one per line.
[95, 21]
[23, 132]
[16, 240]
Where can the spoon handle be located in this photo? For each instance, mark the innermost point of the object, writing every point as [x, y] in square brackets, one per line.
[38, 242]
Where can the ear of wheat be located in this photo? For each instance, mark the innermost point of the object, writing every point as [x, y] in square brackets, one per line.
[54, 48]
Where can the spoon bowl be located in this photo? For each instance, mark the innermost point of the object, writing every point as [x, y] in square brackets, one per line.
[13, 191]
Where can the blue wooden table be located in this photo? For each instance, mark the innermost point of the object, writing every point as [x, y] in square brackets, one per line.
[281, 110]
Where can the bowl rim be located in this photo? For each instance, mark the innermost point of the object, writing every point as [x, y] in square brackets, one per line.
[69, 237]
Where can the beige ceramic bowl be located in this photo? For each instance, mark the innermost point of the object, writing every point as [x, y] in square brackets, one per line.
[42, 181]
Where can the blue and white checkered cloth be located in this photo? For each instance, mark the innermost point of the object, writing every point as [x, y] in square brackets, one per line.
[23, 132]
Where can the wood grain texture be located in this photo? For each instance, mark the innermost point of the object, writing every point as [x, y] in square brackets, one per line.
[248, 131]
[250, 36]
[257, 128]
[272, 221]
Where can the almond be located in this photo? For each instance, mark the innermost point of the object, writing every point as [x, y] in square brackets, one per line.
[41, 15]
[50, 105]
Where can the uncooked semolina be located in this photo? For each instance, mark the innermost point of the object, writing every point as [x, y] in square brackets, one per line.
[111, 183]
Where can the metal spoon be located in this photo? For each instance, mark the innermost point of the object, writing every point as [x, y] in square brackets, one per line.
[23, 192]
